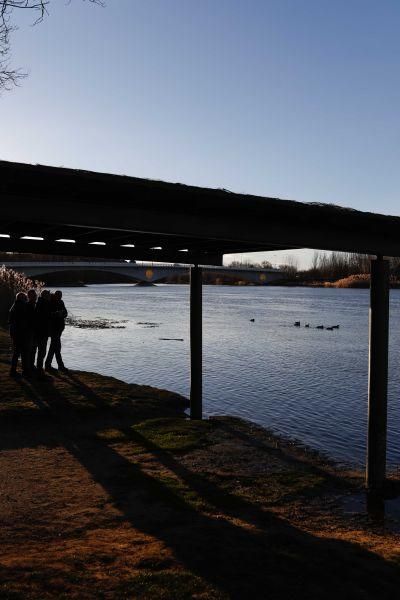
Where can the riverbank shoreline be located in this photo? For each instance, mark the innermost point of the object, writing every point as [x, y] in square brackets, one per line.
[107, 490]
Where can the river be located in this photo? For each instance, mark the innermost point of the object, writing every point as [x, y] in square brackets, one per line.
[305, 383]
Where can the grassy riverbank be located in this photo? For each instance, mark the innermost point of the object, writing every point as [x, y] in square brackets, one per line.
[108, 491]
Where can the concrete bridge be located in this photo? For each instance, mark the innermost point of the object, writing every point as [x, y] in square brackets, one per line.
[150, 273]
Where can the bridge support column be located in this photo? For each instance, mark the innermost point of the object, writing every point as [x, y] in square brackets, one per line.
[196, 343]
[378, 374]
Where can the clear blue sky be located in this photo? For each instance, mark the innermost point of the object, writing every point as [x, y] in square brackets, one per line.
[289, 98]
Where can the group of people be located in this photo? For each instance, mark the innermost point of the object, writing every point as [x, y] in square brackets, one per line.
[33, 321]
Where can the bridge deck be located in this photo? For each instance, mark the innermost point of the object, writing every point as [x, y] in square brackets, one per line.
[113, 216]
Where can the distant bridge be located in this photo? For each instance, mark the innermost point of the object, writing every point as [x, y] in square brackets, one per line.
[145, 272]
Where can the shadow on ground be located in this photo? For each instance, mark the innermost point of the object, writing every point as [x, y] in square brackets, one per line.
[156, 512]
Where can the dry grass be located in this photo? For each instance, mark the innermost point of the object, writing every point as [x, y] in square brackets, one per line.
[11, 283]
[108, 491]
[353, 281]
[362, 280]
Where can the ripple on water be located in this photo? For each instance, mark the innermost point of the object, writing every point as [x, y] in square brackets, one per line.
[301, 382]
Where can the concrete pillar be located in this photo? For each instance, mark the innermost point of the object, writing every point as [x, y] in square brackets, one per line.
[378, 374]
[196, 343]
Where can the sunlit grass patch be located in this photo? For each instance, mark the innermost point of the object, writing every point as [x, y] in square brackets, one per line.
[14, 392]
[165, 585]
[279, 487]
[111, 435]
[175, 434]
[31, 584]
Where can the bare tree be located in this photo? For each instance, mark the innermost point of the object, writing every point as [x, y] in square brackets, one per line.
[290, 267]
[10, 76]
[244, 264]
[266, 264]
[315, 263]
[337, 265]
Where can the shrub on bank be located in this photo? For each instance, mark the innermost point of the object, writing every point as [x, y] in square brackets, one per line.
[11, 283]
[359, 281]
[353, 281]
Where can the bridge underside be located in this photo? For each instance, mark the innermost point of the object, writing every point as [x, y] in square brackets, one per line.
[48, 210]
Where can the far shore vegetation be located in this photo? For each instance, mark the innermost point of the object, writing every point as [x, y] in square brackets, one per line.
[328, 269]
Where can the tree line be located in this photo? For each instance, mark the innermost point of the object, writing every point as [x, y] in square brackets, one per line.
[339, 265]
[328, 266]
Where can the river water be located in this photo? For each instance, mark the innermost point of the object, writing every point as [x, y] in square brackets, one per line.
[304, 383]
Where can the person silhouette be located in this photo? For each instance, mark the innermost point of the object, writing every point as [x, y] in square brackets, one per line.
[58, 314]
[30, 330]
